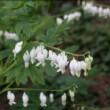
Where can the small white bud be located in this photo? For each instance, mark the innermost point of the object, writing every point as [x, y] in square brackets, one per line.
[51, 97]
[59, 21]
[72, 94]
[25, 99]
[43, 99]
[63, 98]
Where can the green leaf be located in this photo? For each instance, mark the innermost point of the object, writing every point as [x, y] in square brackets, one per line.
[72, 48]
[30, 3]
[18, 28]
[36, 76]
[5, 53]
[21, 75]
[50, 71]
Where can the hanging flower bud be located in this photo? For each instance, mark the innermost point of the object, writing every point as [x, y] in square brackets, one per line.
[63, 98]
[43, 99]
[11, 98]
[89, 60]
[17, 48]
[33, 55]
[51, 97]
[25, 99]
[72, 94]
[26, 58]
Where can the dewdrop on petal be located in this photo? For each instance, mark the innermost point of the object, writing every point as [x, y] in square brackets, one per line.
[17, 48]
[59, 21]
[11, 98]
[43, 99]
[25, 99]
[51, 96]
[63, 99]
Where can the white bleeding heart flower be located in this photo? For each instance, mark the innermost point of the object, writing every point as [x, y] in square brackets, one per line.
[72, 16]
[72, 94]
[106, 13]
[26, 58]
[89, 60]
[25, 99]
[41, 55]
[17, 48]
[43, 99]
[65, 16]
[11, 98]
[33, 55]
[75, 67]
[83, 66]
[63, 99]
[62, 62]
[51, 97]
[10, 36]
[59, 21]
[100, 12]
[52, 57]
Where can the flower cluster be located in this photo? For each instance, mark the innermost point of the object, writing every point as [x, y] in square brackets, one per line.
[9, 35]
[42, 98]
[77, 66]
[39, 55]
[69, 17]
[94, 10]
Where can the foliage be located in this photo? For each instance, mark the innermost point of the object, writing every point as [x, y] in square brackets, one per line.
[32, 21]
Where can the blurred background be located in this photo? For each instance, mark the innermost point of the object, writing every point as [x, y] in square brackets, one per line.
[36, 18]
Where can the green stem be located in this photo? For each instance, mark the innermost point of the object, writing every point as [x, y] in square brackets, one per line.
[5, 89]
[73, 54]
[33, 89]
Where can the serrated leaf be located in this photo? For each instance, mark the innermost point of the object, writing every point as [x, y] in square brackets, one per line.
[18, 28]
[36, 76]
[5, 53]
[50, 71]
[30, 3]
